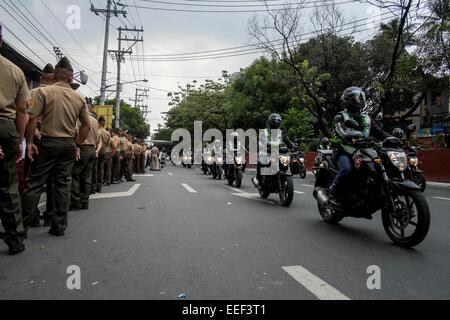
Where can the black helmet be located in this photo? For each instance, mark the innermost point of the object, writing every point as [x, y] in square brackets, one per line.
[398, 133]
[354, 99]
[325, 141]
[274, 121]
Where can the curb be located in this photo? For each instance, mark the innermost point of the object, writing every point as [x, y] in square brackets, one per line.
[438, 185]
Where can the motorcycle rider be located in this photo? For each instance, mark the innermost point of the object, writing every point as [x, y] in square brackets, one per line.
[325, 144]
[273, 123]
[232, 147]
[354, 101]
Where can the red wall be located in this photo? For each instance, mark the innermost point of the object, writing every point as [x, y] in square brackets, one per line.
[434, 163]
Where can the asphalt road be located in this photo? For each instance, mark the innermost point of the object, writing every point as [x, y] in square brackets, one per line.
[180, 232]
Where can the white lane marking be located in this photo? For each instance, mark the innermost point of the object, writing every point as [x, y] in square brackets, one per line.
[234, 189]
[188, 188]
[143, 175]
[299, 192]
[441, 198]
[253, 196]
[170, 173]
[128, 193]
[308, 185]
[41, 204]
[314, 284]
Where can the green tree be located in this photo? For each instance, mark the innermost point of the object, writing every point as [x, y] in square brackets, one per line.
[131, 119]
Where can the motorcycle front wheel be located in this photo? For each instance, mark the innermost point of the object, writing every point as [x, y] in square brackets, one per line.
[303, 173]
[287, 191]
[409, 224]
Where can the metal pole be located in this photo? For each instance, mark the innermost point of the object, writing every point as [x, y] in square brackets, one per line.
[105, 54]
[118, 86]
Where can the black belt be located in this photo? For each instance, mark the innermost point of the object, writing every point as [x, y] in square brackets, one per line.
[58, 138]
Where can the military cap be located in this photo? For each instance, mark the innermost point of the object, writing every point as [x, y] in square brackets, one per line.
[64, 63]
[48, 68]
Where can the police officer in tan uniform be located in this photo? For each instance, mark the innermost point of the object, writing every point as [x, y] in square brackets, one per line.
[82, 170]
[13, 120]
[115, 157]
[104, 155]
[59, 107]
[123, 154]
[142, 157]
[46, 80]
[137, 157]
[128, 159]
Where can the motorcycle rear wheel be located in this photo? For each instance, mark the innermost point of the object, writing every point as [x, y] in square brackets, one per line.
[238, 178]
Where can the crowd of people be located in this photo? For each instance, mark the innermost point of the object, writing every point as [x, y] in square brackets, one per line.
[52, 141]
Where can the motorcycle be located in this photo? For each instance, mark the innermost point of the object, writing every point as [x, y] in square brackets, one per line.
[205, 166]
[187, 161]
[234, 171]
[297, 164]
[162, 161]
[412, 172]
[323, 150]
[281, 182]
[216, 168]
[377, 182]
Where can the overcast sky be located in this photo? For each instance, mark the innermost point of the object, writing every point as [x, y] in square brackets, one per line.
[165, 32]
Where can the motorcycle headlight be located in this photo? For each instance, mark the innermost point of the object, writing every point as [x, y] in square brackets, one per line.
[302, 160]
[209, 159]
[413, 161]
[398, 159]
[285, 160]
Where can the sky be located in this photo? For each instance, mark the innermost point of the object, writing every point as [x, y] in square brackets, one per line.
[165, 33]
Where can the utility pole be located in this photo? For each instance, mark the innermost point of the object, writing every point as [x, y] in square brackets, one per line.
[119, 55]
[139, 97]
[107, 12]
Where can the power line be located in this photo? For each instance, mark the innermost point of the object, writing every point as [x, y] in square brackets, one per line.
[24, 27]
[300, 3]
[18, 39]
[238, 52]
[233, 11]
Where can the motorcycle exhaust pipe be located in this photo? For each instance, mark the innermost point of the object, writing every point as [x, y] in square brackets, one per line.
[321, 196]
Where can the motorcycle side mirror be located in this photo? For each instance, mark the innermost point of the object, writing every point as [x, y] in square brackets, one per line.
[352, 124]
[411, 128]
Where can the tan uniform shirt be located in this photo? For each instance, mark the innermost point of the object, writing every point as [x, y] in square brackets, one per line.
[137, 149]
[123, 144]
[114, 143]
[129, 148]
[93, 135]
[154, 152]
[60, 107]
[105, 137]
[13, 86]
[143, 149]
